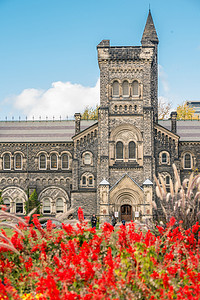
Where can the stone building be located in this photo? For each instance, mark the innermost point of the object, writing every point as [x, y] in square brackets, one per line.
[104, 166]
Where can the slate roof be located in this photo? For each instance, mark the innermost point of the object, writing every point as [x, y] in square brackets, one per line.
[188, 130]
[40, 131]
[149, 34]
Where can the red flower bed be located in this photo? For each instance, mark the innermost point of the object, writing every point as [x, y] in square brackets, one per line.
[82, 264]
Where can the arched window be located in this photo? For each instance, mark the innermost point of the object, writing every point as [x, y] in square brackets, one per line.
[84, 180]
[164, 158]
[7, 203]
[59, 206]
[46, 206]
[135, 88]
[115, 88]
[42, 162]
[54, 161]
[119, 150]
[90, 180]
[187, 161]
[132, 150]
[6, 161]
[18, 161]
[125, 88]
[167, 180]
[65, 161]
[87, 159]
[19, 206]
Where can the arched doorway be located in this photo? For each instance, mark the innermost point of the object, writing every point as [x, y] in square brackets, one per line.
[126, 212]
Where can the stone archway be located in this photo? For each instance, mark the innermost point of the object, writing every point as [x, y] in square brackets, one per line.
[16, 198]
[57, 198]
[127, 198]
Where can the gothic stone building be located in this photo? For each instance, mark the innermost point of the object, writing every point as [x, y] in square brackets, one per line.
[105, 166]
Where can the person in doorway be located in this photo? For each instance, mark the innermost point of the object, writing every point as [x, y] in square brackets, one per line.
[123, 222]
[94, 221]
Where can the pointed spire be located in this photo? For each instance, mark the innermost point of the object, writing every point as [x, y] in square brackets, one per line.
[149, 36]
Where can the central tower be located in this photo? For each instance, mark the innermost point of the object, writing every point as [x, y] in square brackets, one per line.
[128, 108]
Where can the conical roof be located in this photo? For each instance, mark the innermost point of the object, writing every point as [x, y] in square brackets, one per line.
[149, 35]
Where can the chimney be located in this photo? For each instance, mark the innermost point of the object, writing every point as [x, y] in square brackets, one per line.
[77, 117]
[173, 121]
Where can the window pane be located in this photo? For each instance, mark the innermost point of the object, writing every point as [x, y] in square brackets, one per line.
[125, 88]
[83, 180]
[46, 207]
[19, 207]
[87, 159]
[187, 161]
[18, 161]
[135, 88]
[132, 148]
[90, 180]
[42, 161]
[7, 203]
[6, 160]
[119, 150]
[167, 179]
[65, 161]
[59, 206]
[115, 88]
[53, 161]
[164, 157]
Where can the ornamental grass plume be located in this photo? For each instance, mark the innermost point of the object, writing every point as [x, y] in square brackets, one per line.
[182, 202]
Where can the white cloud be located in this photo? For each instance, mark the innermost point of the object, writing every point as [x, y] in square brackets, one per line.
[163, 78]
[61, 99]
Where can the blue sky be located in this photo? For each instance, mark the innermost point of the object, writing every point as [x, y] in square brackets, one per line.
[48, 58]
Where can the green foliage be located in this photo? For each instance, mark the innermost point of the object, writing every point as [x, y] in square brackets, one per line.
[32, 203]
[90, 113]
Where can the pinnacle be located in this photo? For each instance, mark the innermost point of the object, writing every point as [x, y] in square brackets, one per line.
[149, 35]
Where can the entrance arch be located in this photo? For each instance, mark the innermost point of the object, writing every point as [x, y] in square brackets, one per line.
[126, 212]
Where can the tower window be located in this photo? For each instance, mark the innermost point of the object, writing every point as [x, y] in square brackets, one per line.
[135, 88]
[125, 88]
[83, 180]
[132, 150]
[119, 150]
[90, 180]
[164, 158]
[115, 88]
[87, 159]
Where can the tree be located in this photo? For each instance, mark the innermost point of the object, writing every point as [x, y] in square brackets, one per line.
[32, 202]
[90, 113]
[164, 108]
[185, 112]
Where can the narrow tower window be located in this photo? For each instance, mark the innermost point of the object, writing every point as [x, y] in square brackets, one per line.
[54, 161]
[187, 161]
[119, 150]
[6, 161]
[115, 89]
[42, 162]
[135, 88]
[125, 88]
[18, 161]
[65, 161]
[132, 150]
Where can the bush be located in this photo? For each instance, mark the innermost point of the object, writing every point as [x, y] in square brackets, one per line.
[79, 264]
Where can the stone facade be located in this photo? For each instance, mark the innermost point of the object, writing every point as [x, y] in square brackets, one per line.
[104, 166]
